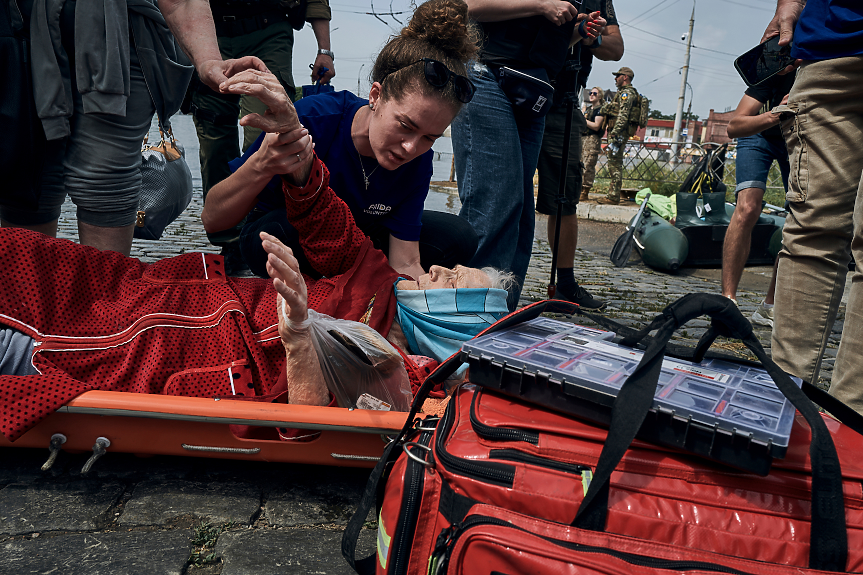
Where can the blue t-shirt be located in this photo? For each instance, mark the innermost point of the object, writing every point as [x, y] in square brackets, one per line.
[829, 29]
[394, 199]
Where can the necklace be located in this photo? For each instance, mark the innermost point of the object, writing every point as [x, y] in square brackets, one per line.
[363, 168]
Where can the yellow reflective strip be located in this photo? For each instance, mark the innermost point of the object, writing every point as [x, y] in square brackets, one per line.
[383, 542]
[586, 477]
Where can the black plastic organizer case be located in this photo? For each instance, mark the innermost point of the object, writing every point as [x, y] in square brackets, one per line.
[731, 413]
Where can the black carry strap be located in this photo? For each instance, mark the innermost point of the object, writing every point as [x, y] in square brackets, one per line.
[829, 539]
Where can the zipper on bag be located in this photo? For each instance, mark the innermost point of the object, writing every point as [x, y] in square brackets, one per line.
[488, 472]
[493, 470]
[409, 513]
[448, 538]
[521, 457]
[499, 433]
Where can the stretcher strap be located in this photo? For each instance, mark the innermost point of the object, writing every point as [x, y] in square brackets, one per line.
[829, 539]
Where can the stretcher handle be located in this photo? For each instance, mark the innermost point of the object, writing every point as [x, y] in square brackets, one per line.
[828, 549]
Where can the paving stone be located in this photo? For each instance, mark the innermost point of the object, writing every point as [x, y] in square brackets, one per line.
[322, 496]
[288, 551]
[49, 506]
[158, 502]
[164, 553]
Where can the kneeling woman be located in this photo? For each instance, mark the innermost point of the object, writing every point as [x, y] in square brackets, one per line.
[378, 151]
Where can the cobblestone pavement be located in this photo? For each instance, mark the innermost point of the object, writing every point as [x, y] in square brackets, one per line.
[193, 516]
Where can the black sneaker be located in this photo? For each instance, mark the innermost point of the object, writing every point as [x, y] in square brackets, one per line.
[235, 265]
[582, 297]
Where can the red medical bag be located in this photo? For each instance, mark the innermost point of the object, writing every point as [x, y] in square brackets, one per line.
[501, 486]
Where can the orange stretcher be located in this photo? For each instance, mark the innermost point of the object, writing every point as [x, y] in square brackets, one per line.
[199, 427]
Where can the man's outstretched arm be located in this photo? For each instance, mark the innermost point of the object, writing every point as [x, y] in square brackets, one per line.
[191, 22]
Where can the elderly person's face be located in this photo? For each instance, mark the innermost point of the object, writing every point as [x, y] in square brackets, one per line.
[444, 278]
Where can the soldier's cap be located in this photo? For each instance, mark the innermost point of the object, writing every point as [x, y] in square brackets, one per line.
[624, 71]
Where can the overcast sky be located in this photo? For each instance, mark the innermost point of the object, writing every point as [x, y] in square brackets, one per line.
[651, 30]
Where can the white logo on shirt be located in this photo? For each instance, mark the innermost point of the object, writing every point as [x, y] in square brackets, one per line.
[377, 209]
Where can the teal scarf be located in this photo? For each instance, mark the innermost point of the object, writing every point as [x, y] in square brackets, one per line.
[436, 322]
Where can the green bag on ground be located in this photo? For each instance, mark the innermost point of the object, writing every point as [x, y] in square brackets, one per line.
[662, 206]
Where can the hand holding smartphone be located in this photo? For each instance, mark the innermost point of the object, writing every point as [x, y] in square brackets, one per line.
[763, 62]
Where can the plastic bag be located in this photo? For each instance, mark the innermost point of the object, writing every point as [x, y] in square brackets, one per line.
[361, 368]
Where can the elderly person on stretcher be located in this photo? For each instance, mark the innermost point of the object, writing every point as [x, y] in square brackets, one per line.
[74, 319]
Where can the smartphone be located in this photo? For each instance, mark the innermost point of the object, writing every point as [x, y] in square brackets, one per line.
[763, 62]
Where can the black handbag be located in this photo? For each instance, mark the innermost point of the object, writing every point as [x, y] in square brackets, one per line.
[166, 185]
[529, 90]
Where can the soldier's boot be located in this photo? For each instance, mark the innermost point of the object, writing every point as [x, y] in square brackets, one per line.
[613, 197]
[585, 190]
[686, 214]
[714, 209]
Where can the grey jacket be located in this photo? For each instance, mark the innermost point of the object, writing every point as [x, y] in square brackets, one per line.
[102, 60]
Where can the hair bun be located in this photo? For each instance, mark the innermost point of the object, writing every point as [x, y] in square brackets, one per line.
[445, 25]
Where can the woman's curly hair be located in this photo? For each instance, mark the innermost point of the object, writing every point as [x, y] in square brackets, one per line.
[438, 29]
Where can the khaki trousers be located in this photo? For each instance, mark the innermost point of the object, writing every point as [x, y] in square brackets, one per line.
[825, 147]
[590, 151]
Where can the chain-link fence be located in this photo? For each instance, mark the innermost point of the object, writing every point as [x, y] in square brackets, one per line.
[651, 165]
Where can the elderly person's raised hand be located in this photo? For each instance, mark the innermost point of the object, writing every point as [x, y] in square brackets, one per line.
[280, 117]
[305, 380]
[292, 302]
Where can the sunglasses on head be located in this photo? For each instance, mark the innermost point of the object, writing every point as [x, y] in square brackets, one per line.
[437, 74]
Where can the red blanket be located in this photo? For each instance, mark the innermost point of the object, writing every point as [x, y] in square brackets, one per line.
[179, 326]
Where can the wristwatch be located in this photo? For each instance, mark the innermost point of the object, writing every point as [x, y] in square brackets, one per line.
[327, 53]
[597, 42]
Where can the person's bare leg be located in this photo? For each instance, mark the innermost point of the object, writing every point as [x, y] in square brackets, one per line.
[306, 385]
[107, 239]
[48, 228]
[738, 237]
[568, 239]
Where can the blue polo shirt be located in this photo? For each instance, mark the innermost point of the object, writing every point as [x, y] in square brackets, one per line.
[829, 29]
[394, 199]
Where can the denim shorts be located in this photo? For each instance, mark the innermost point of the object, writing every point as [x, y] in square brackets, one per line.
[98, 165]
[755, 155]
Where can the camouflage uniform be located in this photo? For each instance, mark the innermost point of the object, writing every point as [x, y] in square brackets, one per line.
[590, 151]
[619, 111]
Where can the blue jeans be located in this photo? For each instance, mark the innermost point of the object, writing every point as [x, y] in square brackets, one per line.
[755, 155]
[495, 160]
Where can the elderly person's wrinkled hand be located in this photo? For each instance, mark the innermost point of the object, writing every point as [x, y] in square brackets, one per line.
[292, 302]
[280, 117]
[214, 73]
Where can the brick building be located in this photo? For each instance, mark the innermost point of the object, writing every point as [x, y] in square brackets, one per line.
[716, 127]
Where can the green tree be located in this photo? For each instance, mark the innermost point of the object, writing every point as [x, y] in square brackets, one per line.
[657, 115]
